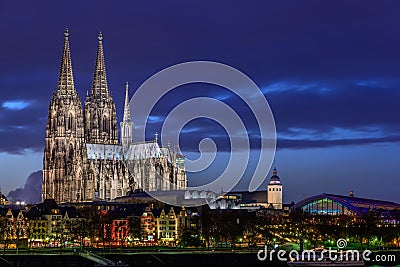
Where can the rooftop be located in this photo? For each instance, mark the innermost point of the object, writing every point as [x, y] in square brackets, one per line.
[358, 205]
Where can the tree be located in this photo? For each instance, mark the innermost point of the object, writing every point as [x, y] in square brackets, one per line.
[190, 239]
[253, 231]
[207, 226]
[79, 230]
[270, 226]
[134, 227]
[300, 223]
[89, 225]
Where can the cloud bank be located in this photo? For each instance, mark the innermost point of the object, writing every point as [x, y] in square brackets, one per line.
[31, 192]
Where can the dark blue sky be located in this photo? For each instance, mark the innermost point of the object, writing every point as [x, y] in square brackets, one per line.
[329, 70]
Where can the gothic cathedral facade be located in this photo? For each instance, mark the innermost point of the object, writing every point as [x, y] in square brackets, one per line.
[84, 160]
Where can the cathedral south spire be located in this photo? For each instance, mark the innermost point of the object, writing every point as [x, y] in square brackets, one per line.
[66, 80]
[62, 157]
[126, 124]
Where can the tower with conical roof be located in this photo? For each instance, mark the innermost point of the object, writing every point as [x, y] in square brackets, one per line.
[126, 124]
[63, 158]
[274, 190]
[100, 114]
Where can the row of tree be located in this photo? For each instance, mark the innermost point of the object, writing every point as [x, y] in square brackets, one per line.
[371, 229]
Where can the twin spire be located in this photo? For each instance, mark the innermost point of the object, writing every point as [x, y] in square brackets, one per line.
[65, 84]
[100, 86]
[100, 90]
[66, 79]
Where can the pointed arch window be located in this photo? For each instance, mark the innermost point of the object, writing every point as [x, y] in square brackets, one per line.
[105, 124]
[91, 175]
[71, 151]
[70, 122]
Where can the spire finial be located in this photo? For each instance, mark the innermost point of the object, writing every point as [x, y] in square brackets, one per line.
[156, 137]
[66, 33]
[275, 172]
[100, 36]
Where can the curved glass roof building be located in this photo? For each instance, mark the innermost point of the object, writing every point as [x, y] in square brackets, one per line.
[330, 204]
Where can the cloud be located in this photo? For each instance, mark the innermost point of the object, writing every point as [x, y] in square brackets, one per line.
[308, 62]
[31, 192]
[348, 114]
[334, 133]
[306, 143]
[282, 86]
[15, 104]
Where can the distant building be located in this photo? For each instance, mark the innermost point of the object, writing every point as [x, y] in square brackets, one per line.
[3, 200]
[178, 197]
[38, 226]
[49, 223]
[126, 223]
[330, 204]
[167, 226]
[17, 226]
[274, 191]
[148, 226]
[120, 230]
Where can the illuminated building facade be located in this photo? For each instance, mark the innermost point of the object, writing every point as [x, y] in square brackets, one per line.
[330, 204]
[274, 191]
[83, 159]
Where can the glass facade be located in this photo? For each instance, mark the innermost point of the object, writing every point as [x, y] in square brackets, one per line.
[326, 206]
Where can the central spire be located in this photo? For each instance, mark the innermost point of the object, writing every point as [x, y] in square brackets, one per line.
[126, 124]
[127, 111]
[66, 80]
[100, 86]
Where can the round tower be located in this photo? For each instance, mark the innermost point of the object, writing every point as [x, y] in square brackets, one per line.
[274, 190]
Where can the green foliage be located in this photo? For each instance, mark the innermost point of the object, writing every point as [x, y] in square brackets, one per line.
[190, 239]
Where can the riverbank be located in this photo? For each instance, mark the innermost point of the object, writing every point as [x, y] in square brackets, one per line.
[183, 258]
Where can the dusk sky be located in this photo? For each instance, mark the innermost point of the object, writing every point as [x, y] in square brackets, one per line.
[330, 71]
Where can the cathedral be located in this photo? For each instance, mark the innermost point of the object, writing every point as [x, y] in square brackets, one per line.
[84, 160]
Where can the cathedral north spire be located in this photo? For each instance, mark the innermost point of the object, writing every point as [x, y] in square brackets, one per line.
[100, 86]
[66, 80]
[100, 113]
